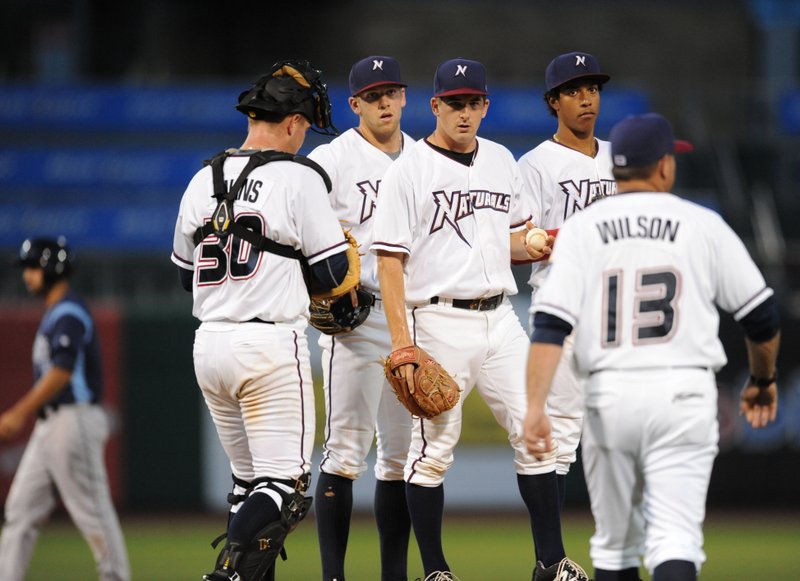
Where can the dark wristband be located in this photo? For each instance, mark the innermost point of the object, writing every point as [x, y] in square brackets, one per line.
[764, 381]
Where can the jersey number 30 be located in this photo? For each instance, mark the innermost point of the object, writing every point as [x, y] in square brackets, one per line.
[236, 259]
[655, 308]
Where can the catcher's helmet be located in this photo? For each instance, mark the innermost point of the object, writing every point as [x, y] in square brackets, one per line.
[290, 87]
[52, 256]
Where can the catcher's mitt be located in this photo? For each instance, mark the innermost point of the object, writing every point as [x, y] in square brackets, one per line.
[340, 314]
[345, 307]
[434, 390]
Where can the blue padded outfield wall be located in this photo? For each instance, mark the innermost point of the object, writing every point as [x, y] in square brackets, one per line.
[196, 109]
[112, 162]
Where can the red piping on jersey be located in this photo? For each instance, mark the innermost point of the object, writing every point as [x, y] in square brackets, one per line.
[302, 405]
[421, 421]
[186, 262]
[342, 243]
[330, 403]
[390, 245]
[521, 224]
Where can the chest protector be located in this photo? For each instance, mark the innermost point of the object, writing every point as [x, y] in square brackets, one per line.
[223, 223]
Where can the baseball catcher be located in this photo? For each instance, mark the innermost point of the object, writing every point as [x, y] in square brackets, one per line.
[433, 391]
[345, 307]
[247, 301]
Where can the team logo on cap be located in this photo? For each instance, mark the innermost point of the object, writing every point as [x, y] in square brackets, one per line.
[580, 60]
[376, 64]
[461, 70]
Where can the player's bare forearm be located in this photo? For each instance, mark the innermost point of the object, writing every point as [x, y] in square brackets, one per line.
[759, 404]
[393, 294]
[543, 360]
[518, 252]
[392, 281]
[48, 386]
[762, 356]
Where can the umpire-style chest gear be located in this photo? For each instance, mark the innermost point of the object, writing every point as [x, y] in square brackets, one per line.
[223, 222]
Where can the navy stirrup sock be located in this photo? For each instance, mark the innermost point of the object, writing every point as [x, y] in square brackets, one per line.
[426, 507]
[540, 494]
[333, 502]
[394, 528]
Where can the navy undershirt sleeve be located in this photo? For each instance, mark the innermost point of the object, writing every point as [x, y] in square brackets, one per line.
[762, 323]
[186, 277]
[548, 328]
[330, 272]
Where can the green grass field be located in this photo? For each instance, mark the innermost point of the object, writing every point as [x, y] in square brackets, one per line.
[479, 548]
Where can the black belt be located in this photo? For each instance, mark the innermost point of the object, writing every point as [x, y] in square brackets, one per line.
[257, 320]
[45, 411]
[48, 409]
[486, 304]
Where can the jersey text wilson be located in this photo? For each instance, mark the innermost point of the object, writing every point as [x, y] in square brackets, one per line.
[652, 227]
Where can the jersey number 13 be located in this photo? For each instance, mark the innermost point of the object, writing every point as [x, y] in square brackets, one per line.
[655, 309]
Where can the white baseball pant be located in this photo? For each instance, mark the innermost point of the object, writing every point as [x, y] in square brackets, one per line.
[487, 350]
[65, 452]
[256, 381]
[649, 444]
[359, 403]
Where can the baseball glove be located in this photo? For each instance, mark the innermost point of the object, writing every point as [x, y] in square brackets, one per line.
[340, 314]
[435, 391]
[345, 307]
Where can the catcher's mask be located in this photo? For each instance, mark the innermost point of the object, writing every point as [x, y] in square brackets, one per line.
[290, 87]
[52, 256]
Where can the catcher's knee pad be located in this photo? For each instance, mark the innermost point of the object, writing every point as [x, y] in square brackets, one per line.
[253, 560]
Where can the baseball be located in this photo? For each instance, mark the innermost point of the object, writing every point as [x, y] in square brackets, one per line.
[536, 238]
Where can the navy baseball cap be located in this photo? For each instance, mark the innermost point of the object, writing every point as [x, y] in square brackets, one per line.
[572, 66]
[374, 71]
[460, 77]
[640, 140]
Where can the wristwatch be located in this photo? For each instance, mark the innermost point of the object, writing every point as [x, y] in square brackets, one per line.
[764, 381]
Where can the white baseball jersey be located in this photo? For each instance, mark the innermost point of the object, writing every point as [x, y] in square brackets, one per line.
[283, 200]
[454, 221]
[639, 274]
[563, 181]
[356, 168]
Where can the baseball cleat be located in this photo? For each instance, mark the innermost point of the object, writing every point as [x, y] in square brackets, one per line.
[441, 576]
[564, 570]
